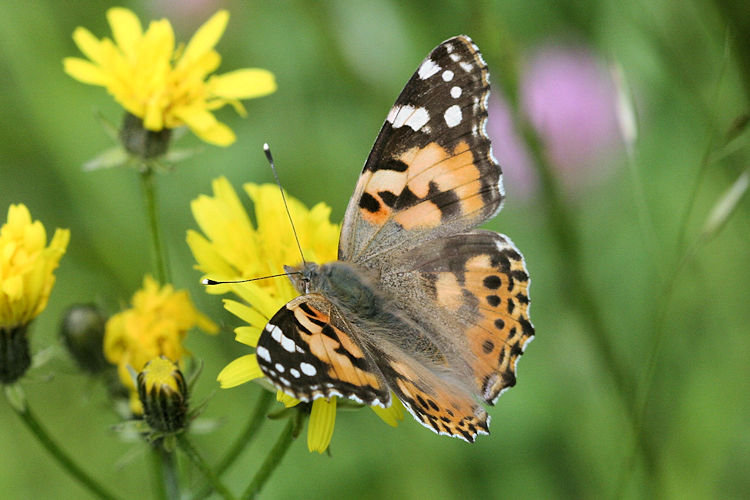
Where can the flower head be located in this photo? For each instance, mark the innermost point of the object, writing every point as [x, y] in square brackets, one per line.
[163, 394]
[26, 280]
[233, 247]
[26, 266]
[155, 326]
[164, 86]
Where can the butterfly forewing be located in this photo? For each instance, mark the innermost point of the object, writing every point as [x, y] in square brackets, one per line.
[306, 356]
[431, 172]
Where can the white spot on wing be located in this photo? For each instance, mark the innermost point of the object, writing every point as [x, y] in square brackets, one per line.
[466, 66]
[287, 343]
[418, 119]
[453, 116]
[455, 92]
[447, 75]
[263, 353]
[279, 367]
[427, 69]
[275, 332]
[412, 117]
[455, 57]
[308, 369]
[392, 114]
[295, 373]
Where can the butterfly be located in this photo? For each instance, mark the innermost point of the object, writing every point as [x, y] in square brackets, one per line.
[419, 304]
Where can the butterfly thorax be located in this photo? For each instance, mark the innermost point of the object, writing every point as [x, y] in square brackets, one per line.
[349, 287]
[358, 297]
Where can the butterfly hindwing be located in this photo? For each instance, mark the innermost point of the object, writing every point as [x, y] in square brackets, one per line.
[307, 357]
[470, 290]
[431, 172]
[438, 403]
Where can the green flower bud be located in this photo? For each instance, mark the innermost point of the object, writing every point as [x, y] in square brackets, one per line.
[164, 395]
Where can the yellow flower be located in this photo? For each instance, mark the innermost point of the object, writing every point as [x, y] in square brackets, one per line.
[26, 267]
[155, 326]
[235, 248]
[26, 280]
[167, 88]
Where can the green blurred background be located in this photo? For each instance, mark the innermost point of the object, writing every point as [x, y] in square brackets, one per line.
[599, 268]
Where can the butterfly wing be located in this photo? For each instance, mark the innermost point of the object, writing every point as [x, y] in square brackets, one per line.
[438, 402]
[306, 352]
[431, 172]
[469, 291]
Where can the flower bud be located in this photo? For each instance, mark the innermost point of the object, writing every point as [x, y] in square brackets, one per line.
[141, 142]
[163, 393]
[82, 330]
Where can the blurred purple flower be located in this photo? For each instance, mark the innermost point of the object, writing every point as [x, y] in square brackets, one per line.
[569, 97]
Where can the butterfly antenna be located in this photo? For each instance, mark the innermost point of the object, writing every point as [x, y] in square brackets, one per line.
[207, 281]
[269, 157]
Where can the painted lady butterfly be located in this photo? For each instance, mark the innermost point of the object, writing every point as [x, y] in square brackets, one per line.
[419, 303]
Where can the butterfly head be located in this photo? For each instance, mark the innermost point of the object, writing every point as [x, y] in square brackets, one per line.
[304, 277]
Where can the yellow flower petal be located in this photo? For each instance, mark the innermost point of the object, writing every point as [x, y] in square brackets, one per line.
[204, 124]
[393, 414]
[241, 310]
[206, 38]
[286, 400]
[243, 84]
[239, 371]
[126, 30]
[89, 45]
[248, 335]
[84, 71]
[206, 252]
[320, 428]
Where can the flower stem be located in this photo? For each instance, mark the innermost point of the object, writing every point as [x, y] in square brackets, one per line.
[67, 463]
[243, 440]
[157, 467]
[158, 255]
[187, 447]
[170, 477]
[259, 416]
[274, 457]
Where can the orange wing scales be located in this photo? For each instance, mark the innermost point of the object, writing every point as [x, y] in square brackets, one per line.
[479, 281]
[307, 357]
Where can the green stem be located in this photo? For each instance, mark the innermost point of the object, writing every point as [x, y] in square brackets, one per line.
[259, 416]
[243, 440]
[274, 457]
[187, 447]
[67, 463]
[158, 255]
[170, 477]
[157, 467]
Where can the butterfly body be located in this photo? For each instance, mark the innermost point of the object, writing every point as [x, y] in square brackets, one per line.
[419, 304]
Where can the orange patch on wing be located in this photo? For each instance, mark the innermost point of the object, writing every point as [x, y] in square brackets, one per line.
[448, 291]
[449, 171]
[324, 348]
[497, 336]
